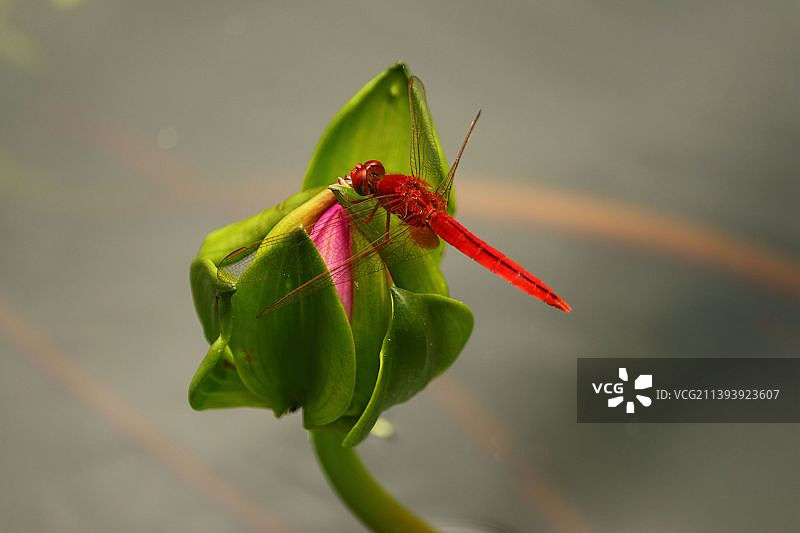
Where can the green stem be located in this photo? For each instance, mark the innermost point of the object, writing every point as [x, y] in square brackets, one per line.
[358, 489]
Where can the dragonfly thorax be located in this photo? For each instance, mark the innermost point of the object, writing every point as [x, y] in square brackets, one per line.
[409, 198]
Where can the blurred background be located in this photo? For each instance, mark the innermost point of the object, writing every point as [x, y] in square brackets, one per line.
[639, 157]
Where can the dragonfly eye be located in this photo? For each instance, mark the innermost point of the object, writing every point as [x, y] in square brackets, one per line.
[375, 171]
[356, 178]
[360, 186]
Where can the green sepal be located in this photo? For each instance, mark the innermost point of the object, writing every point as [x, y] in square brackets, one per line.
[426, 334]
[301, 354]
[374, 124]
[372, 310]
[217, 384]
[205, 292]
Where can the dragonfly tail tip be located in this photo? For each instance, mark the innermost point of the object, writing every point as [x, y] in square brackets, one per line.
[564, 306]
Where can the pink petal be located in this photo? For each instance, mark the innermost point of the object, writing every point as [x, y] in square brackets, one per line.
[331, 235]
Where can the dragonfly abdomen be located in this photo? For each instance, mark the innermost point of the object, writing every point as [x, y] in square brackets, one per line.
[495, 261]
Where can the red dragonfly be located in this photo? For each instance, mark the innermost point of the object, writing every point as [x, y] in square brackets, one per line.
[420, 208]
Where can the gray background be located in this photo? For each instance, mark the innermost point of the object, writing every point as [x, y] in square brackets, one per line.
[128, 130]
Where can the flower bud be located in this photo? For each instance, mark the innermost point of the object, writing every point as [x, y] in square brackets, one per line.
[343, 349]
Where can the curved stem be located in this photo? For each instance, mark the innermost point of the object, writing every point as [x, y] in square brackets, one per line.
[358, 489]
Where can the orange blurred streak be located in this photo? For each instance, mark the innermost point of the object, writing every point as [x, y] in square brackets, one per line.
[583, 214]
[504, 201]
[491, 436]
[55, 363]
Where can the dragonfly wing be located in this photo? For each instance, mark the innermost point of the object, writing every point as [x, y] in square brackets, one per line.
[424, 237]
[411, 266]
[425, 155]
[369, 256]
[371, 247]
[354, 260]
[443, 190]
[232, 266]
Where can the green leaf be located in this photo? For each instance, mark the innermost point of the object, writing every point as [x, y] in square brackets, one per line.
[301, 354]
[426, 334]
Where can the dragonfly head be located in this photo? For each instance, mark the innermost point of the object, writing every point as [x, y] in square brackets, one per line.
[364, 178]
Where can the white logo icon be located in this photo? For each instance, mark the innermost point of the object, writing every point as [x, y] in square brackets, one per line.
[644, 381]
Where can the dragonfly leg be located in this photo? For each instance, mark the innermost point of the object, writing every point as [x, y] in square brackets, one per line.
[374, 210]
[388, 223]
[384, 240]
[368, 218]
